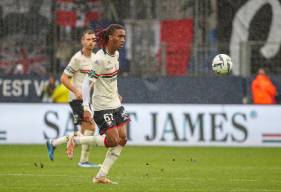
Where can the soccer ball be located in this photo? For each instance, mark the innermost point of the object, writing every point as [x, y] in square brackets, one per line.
[222, 64]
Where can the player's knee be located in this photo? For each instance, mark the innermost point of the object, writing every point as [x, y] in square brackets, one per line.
[123, 141]
[116, 141]
[88, 126]
[112, 142]
[92, 127]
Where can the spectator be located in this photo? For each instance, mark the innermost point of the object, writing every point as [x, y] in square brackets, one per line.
[49, 89]
[263, 90]
[1, 22]
[18, 69]
[60, 94]
[34, 22]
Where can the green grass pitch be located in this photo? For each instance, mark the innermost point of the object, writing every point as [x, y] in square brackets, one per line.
[144, 169]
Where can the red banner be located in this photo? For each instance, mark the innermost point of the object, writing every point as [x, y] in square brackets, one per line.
[177, 36]
[70, 13]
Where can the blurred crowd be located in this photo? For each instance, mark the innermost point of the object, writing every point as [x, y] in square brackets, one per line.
[164, 38]
[54, 92]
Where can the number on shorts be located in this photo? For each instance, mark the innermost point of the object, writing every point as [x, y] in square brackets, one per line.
[108, 117]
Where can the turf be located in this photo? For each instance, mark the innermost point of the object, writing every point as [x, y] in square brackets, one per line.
[143, 169]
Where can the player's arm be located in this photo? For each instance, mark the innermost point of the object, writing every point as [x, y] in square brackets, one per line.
[67, 75]
[66, 81]
[120, 98]
[87, 88]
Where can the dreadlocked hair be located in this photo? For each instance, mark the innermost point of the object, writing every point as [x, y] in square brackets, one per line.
[103, 34]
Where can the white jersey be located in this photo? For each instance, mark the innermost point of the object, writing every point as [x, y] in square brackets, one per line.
[105, 72]
[77, 68]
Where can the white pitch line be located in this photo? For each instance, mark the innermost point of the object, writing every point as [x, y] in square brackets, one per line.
[238, 168]
[250, 190]
[176, 178]
[242, 180]
[37, 175]
[276, 181]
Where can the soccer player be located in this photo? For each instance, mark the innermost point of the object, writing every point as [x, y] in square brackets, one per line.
[72, 78]
[109, 114]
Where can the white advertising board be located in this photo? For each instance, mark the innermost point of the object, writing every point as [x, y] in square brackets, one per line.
[153, 124]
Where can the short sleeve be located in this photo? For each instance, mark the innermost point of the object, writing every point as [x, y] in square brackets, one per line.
[72, 67]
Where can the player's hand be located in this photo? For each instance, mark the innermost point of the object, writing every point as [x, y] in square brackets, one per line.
[78, 94]
[120, 98]
[87, 116]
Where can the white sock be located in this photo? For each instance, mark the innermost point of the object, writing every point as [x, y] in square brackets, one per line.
[59, 141]
[62, 140]
[97, 140]
[111, 156]
[85, 151]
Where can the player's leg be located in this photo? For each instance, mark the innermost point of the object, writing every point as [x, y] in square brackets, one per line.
[122, 118]
[102, 120]
[112, 140]
[96, 140]
[118, 141]
[87, 129]
[107, 124]
[77, 111]
[122, 131]
[53, 143]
